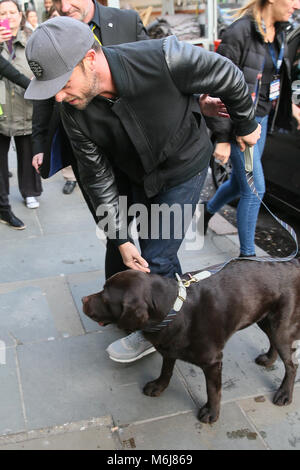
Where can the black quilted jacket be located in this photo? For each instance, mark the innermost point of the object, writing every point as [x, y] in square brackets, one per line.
[243, 43]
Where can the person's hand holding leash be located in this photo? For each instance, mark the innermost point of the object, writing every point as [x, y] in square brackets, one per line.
[249, 139]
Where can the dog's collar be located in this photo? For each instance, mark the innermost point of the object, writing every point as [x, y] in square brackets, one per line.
[181, 297]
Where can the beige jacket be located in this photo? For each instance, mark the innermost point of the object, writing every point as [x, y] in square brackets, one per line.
[17, 112]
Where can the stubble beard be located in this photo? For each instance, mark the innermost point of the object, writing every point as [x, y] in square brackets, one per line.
[89, 94]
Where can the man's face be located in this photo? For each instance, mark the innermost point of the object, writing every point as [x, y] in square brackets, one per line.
[78, 9]
[80, 89]
[47, 4]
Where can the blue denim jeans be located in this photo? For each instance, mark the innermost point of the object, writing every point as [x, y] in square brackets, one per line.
[237, 187]
[161, 251]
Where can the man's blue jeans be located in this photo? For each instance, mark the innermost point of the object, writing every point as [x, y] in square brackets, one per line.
[237, 187]
[161, 251]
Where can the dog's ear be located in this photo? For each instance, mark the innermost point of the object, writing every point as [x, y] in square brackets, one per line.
[134, 316]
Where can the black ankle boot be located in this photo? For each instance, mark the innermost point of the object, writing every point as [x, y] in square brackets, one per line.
[9, 218]
[207, 217]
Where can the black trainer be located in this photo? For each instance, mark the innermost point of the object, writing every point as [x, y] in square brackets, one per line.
[69, 187]
[247, 256]
[7, 217]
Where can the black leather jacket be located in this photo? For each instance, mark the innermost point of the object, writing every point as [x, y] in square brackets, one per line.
[156, 81]
[8, 71]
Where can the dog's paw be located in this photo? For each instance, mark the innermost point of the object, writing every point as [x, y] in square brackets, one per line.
[153, 389]
[207, 415]
[282, 398]
[264, 360]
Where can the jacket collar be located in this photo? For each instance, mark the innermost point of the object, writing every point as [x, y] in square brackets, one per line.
[21, 38]
[105, 21]
[116, 68]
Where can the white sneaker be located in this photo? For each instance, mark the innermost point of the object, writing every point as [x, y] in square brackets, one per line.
[31, 203]
[131, 348]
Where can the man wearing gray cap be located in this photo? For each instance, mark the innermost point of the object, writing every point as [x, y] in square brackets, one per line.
[132, 107]
[109, 26]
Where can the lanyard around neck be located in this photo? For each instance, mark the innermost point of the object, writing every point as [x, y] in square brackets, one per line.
[277, 64]
[97, 39]
[277, 61]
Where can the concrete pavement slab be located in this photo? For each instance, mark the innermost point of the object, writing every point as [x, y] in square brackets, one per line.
[59, 299]
[25, 316]
[221, 226]
[235, 240]
[279, 426]
[50, 255]
[215, 250]
[95, 434]
[60, 213]
[62, 381]
[83, 284]
[11, 406]
[183, 431]
[73, 379]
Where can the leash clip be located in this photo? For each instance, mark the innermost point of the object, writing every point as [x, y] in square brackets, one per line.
[190, 281]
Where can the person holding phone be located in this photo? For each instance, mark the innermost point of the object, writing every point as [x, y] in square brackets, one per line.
[16, 117]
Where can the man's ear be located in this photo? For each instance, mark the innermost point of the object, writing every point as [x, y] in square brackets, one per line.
[134, 316]
[89, 59]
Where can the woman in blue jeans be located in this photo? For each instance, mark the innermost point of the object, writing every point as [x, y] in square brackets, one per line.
[237, 187]
[255, 42]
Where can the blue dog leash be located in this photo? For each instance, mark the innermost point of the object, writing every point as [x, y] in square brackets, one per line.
[250, 180]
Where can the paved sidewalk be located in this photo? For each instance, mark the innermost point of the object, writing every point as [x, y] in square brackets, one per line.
[59, 389]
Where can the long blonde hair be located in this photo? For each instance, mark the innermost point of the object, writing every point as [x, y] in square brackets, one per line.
[254, 8]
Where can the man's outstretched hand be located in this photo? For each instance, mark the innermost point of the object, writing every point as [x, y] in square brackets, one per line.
[132, 258]
[212, 107]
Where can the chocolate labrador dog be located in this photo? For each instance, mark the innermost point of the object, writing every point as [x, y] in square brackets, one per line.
[243, 293]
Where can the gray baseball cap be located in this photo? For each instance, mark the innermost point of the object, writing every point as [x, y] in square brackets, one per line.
[52, 52]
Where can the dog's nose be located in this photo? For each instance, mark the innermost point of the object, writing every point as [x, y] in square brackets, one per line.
[84, 300]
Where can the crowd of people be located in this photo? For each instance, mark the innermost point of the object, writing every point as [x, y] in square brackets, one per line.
[127, 120]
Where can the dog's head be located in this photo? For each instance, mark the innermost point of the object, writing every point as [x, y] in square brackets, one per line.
[132, 299]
